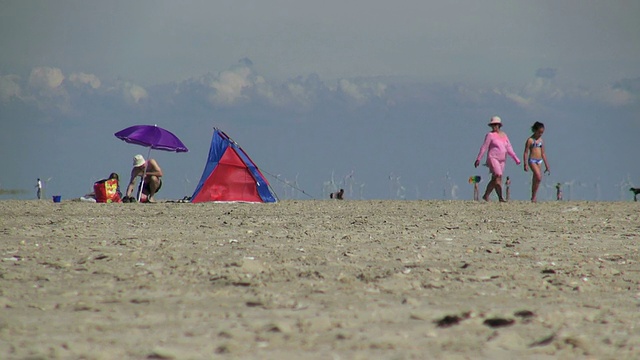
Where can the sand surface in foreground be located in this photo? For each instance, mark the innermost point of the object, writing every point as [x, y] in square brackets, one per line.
[320, 280]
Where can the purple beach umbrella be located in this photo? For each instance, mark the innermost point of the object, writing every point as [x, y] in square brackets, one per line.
[153, 137]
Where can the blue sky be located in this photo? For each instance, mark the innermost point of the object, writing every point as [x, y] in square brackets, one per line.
[387, 100]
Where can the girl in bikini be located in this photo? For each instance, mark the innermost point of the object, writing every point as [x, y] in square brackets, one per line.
[534, 156]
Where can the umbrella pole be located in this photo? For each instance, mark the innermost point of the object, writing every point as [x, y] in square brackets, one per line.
[144, 175]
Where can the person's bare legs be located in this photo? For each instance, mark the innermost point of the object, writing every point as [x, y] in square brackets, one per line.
[497, 180]
[490, 186]
[153, 182]
[536, 178]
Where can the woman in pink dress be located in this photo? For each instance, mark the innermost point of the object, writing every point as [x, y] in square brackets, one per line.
[497, 146]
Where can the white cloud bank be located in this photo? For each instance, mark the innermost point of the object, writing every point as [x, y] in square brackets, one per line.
[134, 93]
[9, 87]
[240, 86]
[46, 78]
[85, 79]
[230, 85]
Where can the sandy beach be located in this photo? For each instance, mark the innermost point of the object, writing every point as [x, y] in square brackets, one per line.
[320, 280]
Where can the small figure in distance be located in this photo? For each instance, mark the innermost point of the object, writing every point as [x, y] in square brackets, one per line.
[476, 192]
[534, 156]
[507, 184]
[497, 146]
[635, 192]
[475, 180]
[558, 191]
[152, 177]
[39, 189]
[338, 195]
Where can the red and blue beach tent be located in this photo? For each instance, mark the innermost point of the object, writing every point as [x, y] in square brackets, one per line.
[230, 175]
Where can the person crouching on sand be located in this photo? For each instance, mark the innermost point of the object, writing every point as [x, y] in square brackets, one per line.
[497, 146]
[152, 177]
[339, 195]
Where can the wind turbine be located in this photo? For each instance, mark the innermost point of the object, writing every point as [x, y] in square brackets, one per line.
[396, 190]
[447, 180]
[400, 190]
[451, 186]
[545, 185]
[291, 186]
[624, 187]
[277, 177]
[329, 187]
[454, 192]
[348, 182]
[285, 185]
[44, 187]
[361, 190]
[295, 186]
[186, 183]
[391, 179]
[569, 185]
[428, 188]
[582, 185]
[629, 183]
[393, 185]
